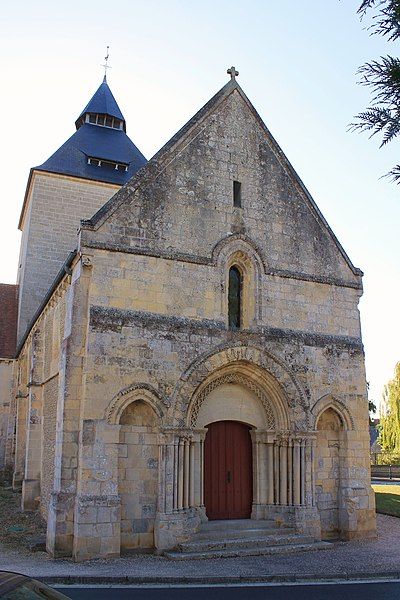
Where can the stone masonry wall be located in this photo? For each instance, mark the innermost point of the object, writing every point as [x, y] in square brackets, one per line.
[185, 206]
[50, 392]
[159, 260]
[7, 418]
[147, 305]
[55, 206]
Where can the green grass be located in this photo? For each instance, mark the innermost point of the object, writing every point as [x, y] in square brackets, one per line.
[387, 499]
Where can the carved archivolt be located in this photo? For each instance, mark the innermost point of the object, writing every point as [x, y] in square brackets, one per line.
[238, 379]
[271, 375]
[132, 393]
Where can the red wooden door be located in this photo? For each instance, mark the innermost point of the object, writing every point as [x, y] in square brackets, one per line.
[228, 471]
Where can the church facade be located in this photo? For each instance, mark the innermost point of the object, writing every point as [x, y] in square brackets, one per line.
[198, 355]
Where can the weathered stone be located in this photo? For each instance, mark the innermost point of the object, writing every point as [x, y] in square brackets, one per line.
[133, 356]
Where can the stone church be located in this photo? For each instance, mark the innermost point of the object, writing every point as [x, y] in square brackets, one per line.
[181, 359]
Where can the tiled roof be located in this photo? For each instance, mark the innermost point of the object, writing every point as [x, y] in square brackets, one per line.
[8, 319]
[96, 142]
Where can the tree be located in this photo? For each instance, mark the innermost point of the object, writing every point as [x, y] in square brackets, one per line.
[389, 434]
[382, 76]
[371, 410]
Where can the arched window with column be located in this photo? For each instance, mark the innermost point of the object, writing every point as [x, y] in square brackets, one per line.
[234, 298]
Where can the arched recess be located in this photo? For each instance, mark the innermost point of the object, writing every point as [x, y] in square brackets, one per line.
[139, 418]
[267, 373]
[329, 401]
[331, 420]
[328, 467]
[137, 391]
[241, 253]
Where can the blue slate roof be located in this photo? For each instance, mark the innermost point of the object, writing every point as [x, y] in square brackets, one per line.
[103, 102]
[96, 142]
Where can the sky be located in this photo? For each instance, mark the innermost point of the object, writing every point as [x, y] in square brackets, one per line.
[297, 61]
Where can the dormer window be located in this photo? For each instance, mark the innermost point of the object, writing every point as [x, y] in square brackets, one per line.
[104, 121]
[107, 164]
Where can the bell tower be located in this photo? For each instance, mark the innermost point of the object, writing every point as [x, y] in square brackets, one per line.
[73, 184]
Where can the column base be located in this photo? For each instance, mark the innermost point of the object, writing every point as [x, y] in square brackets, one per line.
[60, 524]
[30, 494]
[175, 528]
[17, 480]
[308, 521]
[97, 527]
[304, 519]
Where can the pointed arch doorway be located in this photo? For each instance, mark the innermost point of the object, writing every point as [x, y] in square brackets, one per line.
[228, 471]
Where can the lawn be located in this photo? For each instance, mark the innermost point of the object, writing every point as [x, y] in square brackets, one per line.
[18, 529]
[387, 499]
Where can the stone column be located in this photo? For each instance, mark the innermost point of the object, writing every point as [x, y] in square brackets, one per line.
[276, 474]
[263, 472]
[175, 461]
[186, 472]
[197, 475]
[303, 471]
[192, 474]
[296, 472]
[180, 472]
[256, 466]
[202, 470]
[290, 471]
[161, 477]
[183, 473]
[198, 466]
[270, 473]
[283, 472]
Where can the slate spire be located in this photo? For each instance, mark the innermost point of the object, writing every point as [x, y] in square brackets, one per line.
[101, 103]
[100, 149]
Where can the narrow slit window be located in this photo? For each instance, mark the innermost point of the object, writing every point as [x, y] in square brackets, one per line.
[234, 298]
[237, 194]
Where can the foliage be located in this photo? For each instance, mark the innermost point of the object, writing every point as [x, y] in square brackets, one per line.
[371, 410]
[387, 498]
[382, 76]
[385, 458]
[389, 427]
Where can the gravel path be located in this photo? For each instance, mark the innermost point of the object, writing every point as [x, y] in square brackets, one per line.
[367, 558]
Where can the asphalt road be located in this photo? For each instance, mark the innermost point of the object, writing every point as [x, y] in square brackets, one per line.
[349, 591]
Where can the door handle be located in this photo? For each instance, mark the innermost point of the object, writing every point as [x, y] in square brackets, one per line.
[229, 477]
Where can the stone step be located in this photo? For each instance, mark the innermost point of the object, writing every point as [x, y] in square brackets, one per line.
[218, 534]
[205, 545]
[236, 524]
[252, 551]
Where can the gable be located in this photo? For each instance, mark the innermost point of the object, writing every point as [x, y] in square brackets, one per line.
[181, 202]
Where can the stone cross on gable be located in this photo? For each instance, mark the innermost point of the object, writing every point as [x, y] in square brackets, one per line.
[232, 72]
